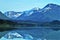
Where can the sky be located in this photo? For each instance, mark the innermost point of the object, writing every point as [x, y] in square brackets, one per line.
[22, 5]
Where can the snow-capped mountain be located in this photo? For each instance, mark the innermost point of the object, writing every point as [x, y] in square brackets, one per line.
[49, 13]
[12, 14]
[35, 14]
[52, 11]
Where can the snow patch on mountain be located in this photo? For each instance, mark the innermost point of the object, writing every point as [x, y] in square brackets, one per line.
[17, 15]
[12, 14]
[47, 9]
[36, 8]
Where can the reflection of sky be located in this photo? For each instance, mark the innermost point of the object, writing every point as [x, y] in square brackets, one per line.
[21, 5]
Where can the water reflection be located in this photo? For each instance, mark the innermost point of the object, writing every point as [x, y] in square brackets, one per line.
[27, 34]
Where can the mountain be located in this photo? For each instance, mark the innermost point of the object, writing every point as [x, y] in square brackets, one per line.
[47, 14]
[52, 11]
[2, 16]
[12, 14]
[32, 15]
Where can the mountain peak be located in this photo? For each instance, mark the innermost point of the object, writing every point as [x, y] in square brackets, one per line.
[36, 8]
[52, 5]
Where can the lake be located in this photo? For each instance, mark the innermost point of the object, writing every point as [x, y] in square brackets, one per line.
[35, 33]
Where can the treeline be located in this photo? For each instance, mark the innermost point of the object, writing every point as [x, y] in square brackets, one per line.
[55, 25]
[9, 25]
[6, 25]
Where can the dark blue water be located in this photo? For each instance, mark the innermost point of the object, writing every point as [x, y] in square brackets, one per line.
[35, 32]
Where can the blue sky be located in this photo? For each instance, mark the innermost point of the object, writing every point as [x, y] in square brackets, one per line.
[22, 5]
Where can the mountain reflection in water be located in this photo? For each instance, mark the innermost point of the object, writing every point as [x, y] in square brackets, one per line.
[29, 33]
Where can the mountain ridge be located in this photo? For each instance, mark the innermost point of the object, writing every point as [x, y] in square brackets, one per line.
[49, 13]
